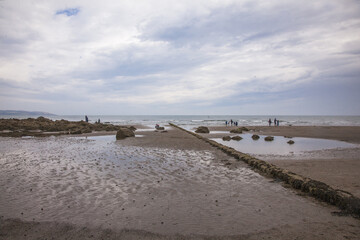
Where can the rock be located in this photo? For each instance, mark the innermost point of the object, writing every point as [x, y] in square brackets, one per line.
[77, 131]
[255, 137]
[237, 130]
[124, 133]
[237, 138]
[160, 128]
[202, 129]
[132, 128]
[291, 142]
[227, 138]
[245, 129]
[269, 138]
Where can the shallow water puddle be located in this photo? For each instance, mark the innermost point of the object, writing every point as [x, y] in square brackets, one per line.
[280, 146]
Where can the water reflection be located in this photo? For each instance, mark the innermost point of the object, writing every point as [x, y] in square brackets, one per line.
[280, 146]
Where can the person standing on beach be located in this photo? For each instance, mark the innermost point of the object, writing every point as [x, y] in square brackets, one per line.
[275, 122]
[86, 118]
[269, 121]
[226, 123]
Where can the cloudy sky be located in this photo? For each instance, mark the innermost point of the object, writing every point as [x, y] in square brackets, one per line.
[180, 57]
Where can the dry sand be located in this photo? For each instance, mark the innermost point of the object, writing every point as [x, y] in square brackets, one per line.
[162, 185]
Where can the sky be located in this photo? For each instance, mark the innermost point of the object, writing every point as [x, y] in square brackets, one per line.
[121, 57]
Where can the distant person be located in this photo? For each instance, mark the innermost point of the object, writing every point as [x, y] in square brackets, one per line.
[231, 122]
[269, 121]
[99, 120]
[226, 123]
[277, 123]
[274, 121]
[86, 119]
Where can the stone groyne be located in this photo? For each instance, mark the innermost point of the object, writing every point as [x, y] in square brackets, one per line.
[348, 203]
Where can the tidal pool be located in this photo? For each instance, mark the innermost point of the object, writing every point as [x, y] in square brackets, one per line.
[280, 146]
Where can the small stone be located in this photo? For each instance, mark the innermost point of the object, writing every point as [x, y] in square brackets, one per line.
[269, 138]
[237, 138]
[255, 137]
[291, 142]
[226, 138]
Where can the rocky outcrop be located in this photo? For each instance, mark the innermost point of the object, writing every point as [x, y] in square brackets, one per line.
[291, 142]
[269, 138]
[124, 133]
[202, 129]
[255, 137]
[42, 126]
[237, 138]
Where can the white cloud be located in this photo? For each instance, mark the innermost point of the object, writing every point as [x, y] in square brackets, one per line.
[170, 52]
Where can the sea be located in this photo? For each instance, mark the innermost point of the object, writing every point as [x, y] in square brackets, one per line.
[207, 120]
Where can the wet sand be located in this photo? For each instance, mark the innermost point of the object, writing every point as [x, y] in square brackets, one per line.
[342, 133]
[163, 185]
[338, 168]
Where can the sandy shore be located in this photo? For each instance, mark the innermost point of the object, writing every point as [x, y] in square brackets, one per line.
[338, 168]
[341, 133]
[158, 185]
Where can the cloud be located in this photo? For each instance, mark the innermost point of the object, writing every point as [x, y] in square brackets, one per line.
[175, 54]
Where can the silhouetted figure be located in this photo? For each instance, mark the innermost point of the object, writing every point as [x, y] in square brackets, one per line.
[99, 120]
[275, 122]
[226, 123]
[86, 119]
[269, 121]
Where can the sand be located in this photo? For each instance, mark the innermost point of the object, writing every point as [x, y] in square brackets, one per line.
[159, 185]
[338, 168]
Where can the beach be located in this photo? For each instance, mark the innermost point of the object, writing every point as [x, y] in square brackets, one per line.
[336, 167]
[169, 185]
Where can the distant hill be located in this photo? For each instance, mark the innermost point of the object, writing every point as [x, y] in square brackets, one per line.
[25, 113]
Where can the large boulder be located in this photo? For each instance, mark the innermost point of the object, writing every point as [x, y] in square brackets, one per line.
[124, 133]
[202, 129]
